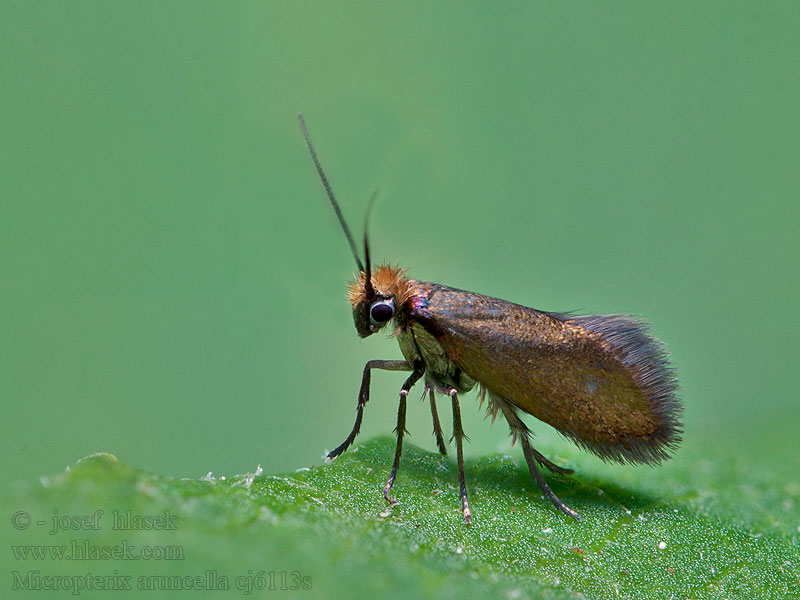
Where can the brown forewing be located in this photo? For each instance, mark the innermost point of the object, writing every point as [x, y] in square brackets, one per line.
[603, 381]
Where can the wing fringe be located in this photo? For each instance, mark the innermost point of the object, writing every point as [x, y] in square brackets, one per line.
[648, 361]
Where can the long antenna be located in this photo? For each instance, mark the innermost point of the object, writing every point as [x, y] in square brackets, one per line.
[368, 289]
[326, 184]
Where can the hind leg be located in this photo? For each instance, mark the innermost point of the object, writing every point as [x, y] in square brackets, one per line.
[521, 431]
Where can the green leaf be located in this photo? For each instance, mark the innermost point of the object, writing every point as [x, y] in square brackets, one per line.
[327, 530]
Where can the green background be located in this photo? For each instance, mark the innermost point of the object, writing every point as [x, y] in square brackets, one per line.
[173, 279]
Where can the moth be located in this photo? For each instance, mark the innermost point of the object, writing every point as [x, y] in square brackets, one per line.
[603, 381]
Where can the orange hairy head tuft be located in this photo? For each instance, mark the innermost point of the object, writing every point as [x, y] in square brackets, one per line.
[386, 280]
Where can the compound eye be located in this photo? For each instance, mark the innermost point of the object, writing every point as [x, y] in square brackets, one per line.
[381, 311]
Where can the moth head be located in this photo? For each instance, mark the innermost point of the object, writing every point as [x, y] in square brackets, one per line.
[376, 301]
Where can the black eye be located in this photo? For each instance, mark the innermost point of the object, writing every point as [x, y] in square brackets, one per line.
[381, 311]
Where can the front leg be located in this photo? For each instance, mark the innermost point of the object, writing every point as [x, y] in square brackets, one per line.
[363, 397]
[419, 371]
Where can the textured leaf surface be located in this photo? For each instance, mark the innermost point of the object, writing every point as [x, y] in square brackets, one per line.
[330, 524]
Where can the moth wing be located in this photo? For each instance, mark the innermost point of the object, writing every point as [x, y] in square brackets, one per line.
[603, 381]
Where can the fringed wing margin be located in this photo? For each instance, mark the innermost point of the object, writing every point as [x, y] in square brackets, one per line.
[647, 360]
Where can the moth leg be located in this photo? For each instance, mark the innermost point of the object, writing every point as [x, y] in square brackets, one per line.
[537, 475]
[400, 430]
[458, 435]
[363, 397]
[437, 427]
[550, 465]
[521, 431]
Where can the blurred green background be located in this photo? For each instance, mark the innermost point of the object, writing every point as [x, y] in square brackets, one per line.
[169, 262]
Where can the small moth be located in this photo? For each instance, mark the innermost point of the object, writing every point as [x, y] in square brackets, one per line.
[602, 381]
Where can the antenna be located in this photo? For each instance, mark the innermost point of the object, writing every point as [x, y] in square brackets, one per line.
[337, 209]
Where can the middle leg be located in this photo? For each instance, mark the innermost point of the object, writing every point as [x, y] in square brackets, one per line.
[458, 435]
[400, 430]
[437, 427]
